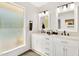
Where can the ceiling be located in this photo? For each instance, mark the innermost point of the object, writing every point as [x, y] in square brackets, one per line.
[38, 4]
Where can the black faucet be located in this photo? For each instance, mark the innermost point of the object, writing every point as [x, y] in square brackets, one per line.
[65, 33]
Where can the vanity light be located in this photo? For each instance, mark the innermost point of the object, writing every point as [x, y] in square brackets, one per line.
[61, 9]
[42, 14]
[46, 13]
[64, 8]
[72, 6]
[66, 5]
[58, 10]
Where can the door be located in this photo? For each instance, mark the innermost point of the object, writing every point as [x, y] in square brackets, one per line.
[53, 46]
[59, 50]
[59, 46]
[72, 48]
[72, 51]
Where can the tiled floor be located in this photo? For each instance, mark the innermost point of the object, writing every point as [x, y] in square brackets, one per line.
[30, 53]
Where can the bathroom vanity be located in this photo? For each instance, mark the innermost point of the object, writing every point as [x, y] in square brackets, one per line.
[59, 45]
[55, 45]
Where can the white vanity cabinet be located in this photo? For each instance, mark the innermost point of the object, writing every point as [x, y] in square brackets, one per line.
[67, 47]
[51, 45]
[41, 43]
[63, 46]
[71, 51]
[71, 48]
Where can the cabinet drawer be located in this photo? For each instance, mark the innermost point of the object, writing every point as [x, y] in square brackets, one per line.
[69, 42]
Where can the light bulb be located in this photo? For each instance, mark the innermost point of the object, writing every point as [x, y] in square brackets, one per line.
[58, 10]
[64, 8]
[42, 14]
[72, 6]
[46, 13]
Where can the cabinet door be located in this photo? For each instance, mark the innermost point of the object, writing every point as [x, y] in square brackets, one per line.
[72, 51]
[47, 46]
[53, 46]
[59, 47]
[59, 50]
[71, 48]
[40, 43]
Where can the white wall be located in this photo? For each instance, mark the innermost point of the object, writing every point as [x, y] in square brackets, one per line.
[31, 13]
[51, 7]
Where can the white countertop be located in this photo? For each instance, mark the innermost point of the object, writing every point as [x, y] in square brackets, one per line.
[62, 36]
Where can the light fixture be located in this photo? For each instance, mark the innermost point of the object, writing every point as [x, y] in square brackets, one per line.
[44, 12]
[65, 7]
[72, 6]
[58, 10]
[47, 12]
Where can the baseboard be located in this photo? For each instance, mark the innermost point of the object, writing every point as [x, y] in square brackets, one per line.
[38, 52]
